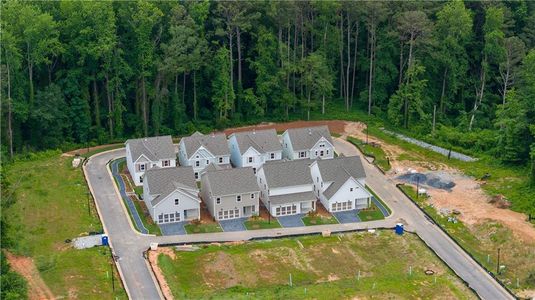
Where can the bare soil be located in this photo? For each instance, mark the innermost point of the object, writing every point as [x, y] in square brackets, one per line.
[37, 289]
[335, 126]
[153, 260]
[82, 151]
[466, 197]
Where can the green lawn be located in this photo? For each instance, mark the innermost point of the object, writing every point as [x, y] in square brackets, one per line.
[146, 218]
[483, 240]
[253, 224]
[321, 268]
[318, 220]
[369, 150]
[52, 206]
[103, 149]
[370, 214]
[202, 228]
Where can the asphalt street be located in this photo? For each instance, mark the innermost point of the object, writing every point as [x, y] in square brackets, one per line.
[129, 245]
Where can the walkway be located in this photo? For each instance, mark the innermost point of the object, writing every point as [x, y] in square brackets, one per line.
[381, 207]
[122, 189]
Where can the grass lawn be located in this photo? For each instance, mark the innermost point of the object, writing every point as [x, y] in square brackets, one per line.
[321, 268]
[369, 150]
[318, 220]
[202, 228]
[52, 206]
[370, 214]
[146, 218]
[253, 224]
[483, 240]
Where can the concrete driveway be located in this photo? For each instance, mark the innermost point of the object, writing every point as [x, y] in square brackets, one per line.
[173, 228]
[292, 221]
[348, 216]
[233, 224]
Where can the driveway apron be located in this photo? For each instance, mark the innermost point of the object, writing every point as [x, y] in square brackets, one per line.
[292, 221]
[233, 225]
[173, 228]
[348, 216]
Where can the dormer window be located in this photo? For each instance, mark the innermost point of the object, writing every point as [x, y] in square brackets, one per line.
[250, 159]
[142, 167]
[176, 202]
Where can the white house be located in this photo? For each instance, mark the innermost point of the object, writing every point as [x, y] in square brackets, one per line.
[340, 183]
[307, 142]
[146, 153]
[230, 193]
[253, 148]
[286, 187]
[198, 151]
[171, 194]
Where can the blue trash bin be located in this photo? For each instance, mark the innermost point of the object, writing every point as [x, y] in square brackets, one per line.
[104, 240]
[399, 229]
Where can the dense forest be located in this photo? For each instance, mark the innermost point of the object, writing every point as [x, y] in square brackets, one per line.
[79, 72]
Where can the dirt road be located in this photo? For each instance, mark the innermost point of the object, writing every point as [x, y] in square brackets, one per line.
[37, 289]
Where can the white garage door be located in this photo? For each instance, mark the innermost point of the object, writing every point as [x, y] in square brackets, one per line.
[285, 210]
[228, 214]
[341, 206]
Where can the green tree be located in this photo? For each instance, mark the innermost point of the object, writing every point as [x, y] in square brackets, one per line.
[223, 96]
[317, 79]
[407, 103]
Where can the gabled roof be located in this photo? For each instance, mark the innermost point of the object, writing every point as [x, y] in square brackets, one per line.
[216, 167]
[291, 198]
[163, 181]
[262, 141]
[288, 173]
[215, 143]
[339, 170]
[230, 181]
[153, 148]
[306, 137]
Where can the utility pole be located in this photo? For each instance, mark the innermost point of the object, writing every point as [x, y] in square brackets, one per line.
[498, 263]
[417, 186]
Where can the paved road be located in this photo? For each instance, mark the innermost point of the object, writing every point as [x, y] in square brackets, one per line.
[140, 284]
[447, 249]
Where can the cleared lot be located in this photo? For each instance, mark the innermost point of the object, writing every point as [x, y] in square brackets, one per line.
[389, 265]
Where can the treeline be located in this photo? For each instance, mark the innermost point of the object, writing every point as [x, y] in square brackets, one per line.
[74, 72]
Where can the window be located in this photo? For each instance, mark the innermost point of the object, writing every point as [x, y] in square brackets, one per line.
[250, 159]
[316, 152]
[302, 154]
[160, 218]
[321, 153]
[207, 162]
[196, 175]
[252, 196]
[176, 202]
[350, 189]
[322, 145]
[260, 179]
[153, 165]
[166, 163]
[140, 178]
[197, 156]
[317, 179]
[272, 155]
[196, 163]
[322, 184]
[218, 200]
[221, 160]
[238, 198]
[254, 170]
[142, 167]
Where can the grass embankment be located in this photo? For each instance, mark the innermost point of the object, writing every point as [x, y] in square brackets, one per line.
[140, 206]
[202, 228]
[52, 206]
[260, 223]
[321, 268]
[373, 151]
[483, 240]
[371, 214]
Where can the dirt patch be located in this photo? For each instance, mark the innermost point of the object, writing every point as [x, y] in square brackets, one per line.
[153, 260]
[82, 151]
[335, 126]
[37, 289]
[526, 294]
[218, 270]
[475, 207]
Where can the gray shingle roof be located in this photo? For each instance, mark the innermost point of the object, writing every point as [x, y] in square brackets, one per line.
[216, 143]
[231, 181]
[261, 140]
[154, 148]
[288, 173]
[305, 138]
[290, 198]
[216, 167]
[339, 170]
[164, 181]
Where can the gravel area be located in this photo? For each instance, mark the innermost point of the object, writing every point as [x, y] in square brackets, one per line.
[434, 148]
[439, 180]
[89, 241]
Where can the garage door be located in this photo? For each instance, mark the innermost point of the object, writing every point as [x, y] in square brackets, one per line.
[285, 210]
[228, 214]
[341, 206]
